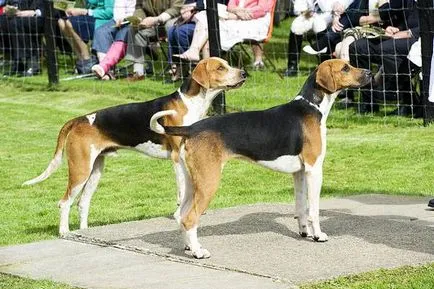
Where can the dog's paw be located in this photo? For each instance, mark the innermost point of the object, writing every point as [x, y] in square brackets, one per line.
[303, 234]
[63, 232]
[201, 254]
[321, 237]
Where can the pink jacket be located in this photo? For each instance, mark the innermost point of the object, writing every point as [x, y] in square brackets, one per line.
[258, 8]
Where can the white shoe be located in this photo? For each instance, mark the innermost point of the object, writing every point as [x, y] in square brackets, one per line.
[98, 70]
[309, 50]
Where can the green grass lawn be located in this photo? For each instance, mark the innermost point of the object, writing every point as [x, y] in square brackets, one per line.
[366, 154]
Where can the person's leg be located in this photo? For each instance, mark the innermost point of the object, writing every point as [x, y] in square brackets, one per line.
[4, 38]
[362, 53]
[396, 73]
[200, 37]
[78, 30]
[103, 39]
[294, 49]
[28, 43]
[258, 53]
[17, 65]
[115, 52]
[137, 43]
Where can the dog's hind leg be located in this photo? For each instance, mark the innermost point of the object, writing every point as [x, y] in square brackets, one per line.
[81, 156]
[74, 188]
[301, 209]
[89, 189]
[204, 164]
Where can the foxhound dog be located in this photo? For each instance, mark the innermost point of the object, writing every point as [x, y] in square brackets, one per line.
[290, 138]
[87, 139]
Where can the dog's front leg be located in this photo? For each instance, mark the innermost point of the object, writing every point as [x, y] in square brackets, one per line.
[301, 210]
[314, 183]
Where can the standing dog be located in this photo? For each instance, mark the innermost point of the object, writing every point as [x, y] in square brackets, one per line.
[289, 138]
[87, 139]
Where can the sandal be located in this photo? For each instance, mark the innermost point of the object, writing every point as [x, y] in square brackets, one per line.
[258, 65]
[108, 76]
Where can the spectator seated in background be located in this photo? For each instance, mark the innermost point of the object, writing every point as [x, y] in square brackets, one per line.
[151, 14]
[79, 28]
[390, 53]
[181, 33]
[4, 44]
[22, 23]
[110, 39]
[313, 16]
[243, 20]
[2, 5]
[355, 15]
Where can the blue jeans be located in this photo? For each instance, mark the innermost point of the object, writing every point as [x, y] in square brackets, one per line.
[180, 37]
[106, 34]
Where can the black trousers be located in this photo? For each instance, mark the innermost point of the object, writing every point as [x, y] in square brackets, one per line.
[391, 55]
[22, 38]
[5, 36]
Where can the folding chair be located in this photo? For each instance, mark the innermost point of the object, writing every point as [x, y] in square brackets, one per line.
[249, 41]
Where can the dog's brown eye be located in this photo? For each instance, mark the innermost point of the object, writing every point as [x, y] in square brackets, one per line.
[346, 68]
[221, 68]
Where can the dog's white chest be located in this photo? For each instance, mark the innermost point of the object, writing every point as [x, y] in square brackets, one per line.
[153, 150]
[284, 164]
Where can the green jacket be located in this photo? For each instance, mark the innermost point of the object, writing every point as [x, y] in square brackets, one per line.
[153, 8]
[101, 10]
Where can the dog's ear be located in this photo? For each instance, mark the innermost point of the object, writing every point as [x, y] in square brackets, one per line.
[200, 74]
[325, 77]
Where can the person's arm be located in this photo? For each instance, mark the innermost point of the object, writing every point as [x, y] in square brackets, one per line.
[32, 10]
[259, 10]
[171, 12]
[368, 19]
[139, 12]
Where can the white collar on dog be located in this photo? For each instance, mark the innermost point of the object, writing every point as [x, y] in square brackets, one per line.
[300, 97]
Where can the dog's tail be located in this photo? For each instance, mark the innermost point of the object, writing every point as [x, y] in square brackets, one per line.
[171, 130]
[57, 159]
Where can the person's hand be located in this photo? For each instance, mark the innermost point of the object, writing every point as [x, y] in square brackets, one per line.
[10, 10]
[402, 34]
[336, 24]
[119, 23]
[338, 8]
[25, 13]
[243, 14]
[75, 11]
[368, 19]
[149, 22]
[231, 16]
[390, 31]
[187, 12]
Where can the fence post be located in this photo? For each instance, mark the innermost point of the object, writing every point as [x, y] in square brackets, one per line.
[50, 26]
[219, 103]
[426, 24]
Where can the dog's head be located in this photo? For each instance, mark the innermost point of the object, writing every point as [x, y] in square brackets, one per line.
[337, 74]
[215, 73]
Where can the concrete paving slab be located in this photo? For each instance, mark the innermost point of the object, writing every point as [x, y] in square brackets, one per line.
[254, 246]
[90, 266]
[366, 232]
